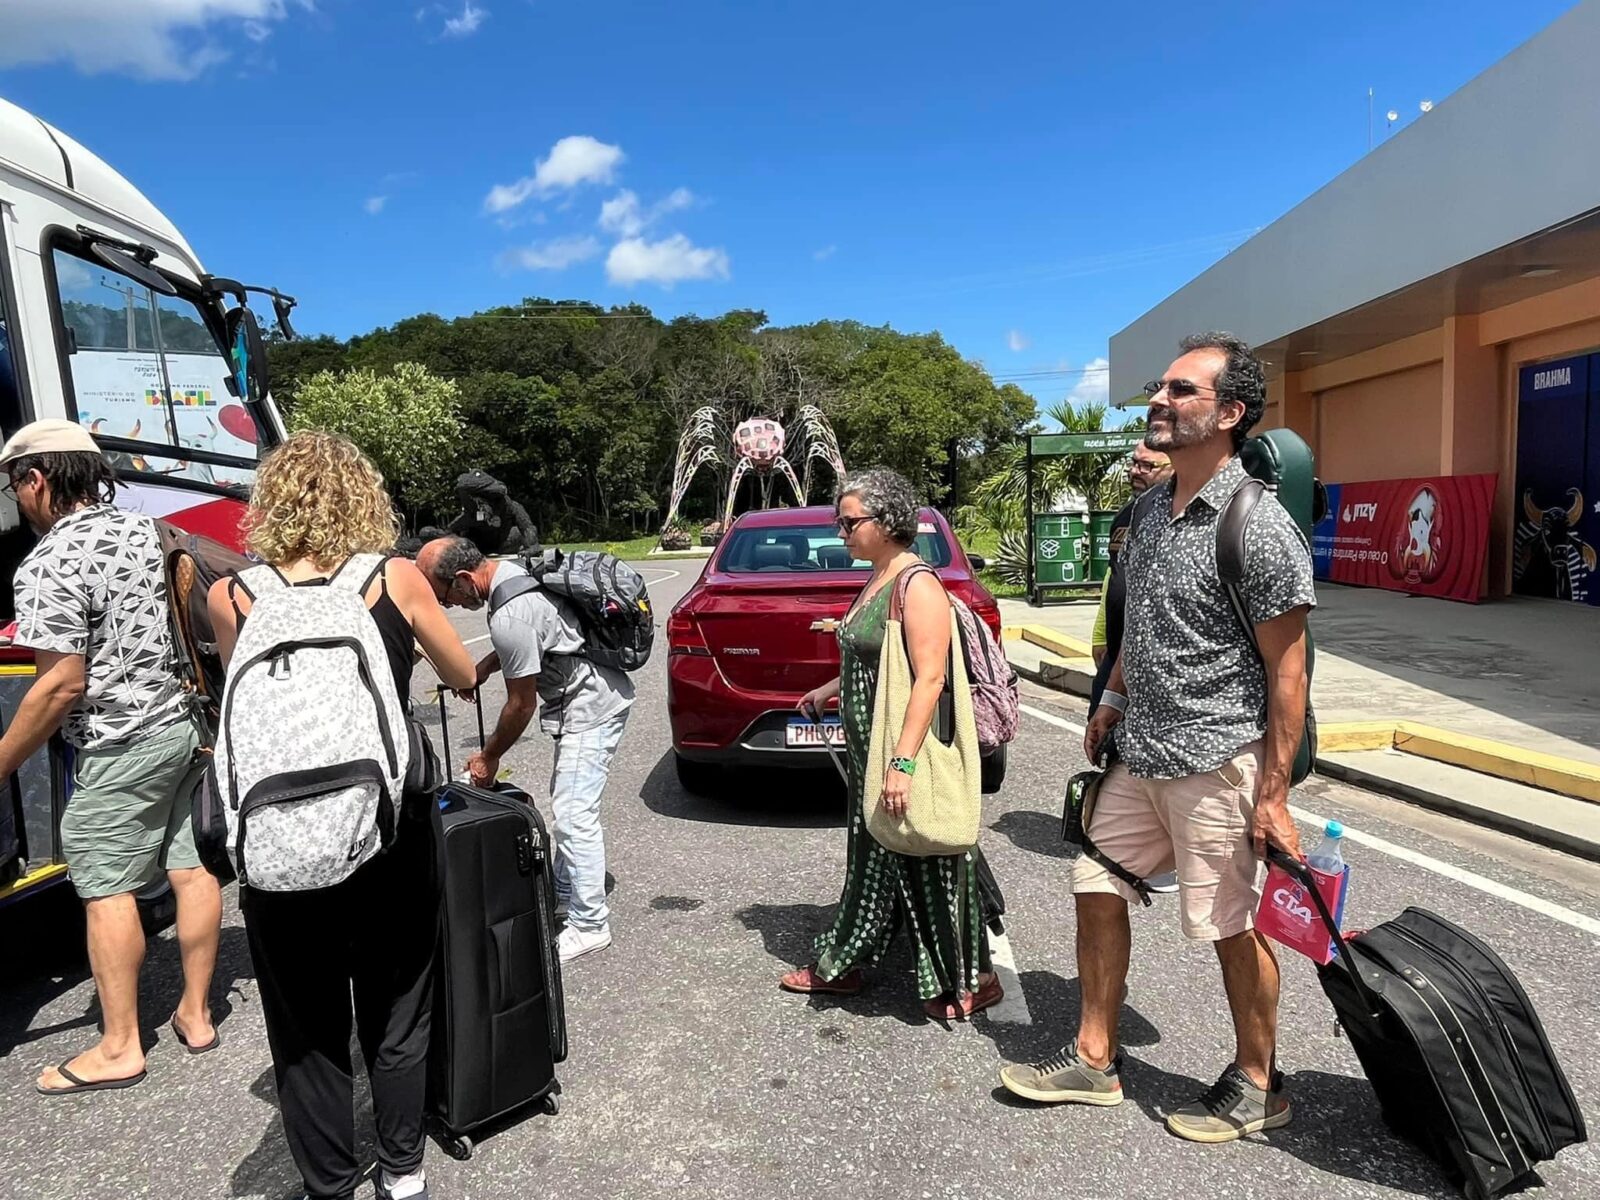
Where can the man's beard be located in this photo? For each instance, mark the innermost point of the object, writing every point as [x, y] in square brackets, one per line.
[1185, 430]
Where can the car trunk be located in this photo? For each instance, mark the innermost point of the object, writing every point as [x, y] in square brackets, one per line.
[763, 633]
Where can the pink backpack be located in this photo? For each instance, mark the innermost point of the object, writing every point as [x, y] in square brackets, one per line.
[990, 676]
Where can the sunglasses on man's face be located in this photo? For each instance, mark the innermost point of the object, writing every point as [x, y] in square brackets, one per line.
[1140, 465]
[1176, 389]
[848, 525]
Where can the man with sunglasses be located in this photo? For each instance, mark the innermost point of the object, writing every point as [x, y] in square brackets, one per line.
[1206, 734]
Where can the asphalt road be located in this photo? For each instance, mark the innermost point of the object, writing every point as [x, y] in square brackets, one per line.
[692, 1075]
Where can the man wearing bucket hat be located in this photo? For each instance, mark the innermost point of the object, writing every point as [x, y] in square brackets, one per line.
[92, 606]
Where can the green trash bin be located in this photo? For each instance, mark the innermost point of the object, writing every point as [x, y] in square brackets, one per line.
[1060, 550]
[1100, 544]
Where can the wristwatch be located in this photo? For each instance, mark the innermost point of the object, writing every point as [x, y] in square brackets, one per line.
[906, 766]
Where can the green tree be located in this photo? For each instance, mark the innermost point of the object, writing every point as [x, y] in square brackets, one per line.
[408, 421]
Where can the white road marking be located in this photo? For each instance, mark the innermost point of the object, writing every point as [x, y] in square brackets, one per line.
[472, 641]
[1013, 1006]
[1492, 887]
[1051, 719]
[1472, 879]
[665, 573]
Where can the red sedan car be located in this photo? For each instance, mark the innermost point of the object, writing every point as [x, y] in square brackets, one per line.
[757, 631]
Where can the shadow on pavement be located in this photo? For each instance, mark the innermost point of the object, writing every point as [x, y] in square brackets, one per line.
[1339, 1128]
[269, 1169]
[1035, 831]
[1054, 1004]
[50, 960]
[789, 799]
[788, 930]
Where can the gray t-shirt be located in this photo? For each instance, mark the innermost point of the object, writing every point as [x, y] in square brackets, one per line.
[538, 634]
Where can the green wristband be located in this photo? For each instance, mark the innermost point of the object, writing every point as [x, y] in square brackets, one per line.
[906, 766]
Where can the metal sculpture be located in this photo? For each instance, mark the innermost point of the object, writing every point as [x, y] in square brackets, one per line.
[757, 445]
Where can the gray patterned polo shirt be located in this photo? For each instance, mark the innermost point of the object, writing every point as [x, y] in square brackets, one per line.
[1197, 692]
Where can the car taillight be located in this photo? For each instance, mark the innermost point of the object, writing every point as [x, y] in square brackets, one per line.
[683, 636]
[987, 611]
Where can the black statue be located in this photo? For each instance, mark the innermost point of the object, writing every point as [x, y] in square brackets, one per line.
[489, 518]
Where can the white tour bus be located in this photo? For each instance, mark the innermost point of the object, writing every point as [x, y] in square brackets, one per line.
[108, 318]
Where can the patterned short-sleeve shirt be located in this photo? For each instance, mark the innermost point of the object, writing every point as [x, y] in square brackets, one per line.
[1197, 691]
[95, 586]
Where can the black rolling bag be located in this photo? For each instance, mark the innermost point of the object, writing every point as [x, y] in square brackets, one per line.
[1452, 1045]
[499, 1025]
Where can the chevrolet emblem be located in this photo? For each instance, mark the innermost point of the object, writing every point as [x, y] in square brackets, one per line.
[826, 625]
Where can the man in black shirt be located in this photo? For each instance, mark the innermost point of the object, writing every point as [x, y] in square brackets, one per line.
[1148, 468]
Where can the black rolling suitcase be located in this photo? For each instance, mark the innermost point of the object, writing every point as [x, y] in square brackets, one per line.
[1452, 1045]
[499, 1024]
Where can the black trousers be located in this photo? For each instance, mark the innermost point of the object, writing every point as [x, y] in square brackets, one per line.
[371, 938]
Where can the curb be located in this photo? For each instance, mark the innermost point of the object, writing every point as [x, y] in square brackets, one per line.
[1073, 672]
[1530, 831]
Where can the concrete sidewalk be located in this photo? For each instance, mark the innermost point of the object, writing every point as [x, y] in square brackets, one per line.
[1489, 711]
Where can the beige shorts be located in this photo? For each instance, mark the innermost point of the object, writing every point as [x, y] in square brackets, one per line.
[1198, 825]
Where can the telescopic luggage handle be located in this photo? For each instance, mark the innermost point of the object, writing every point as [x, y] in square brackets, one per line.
[444, 726]
[1301, 874]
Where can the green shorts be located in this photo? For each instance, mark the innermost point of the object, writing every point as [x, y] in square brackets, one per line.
[129, 815]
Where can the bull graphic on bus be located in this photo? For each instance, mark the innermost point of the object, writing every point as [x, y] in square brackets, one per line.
[1551, 559]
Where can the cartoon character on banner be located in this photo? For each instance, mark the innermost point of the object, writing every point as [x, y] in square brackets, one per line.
[1550, 558]
[1417, 556]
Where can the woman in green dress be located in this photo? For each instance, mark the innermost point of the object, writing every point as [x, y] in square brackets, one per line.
[935, 899]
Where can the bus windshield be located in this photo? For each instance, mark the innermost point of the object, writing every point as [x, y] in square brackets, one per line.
[148, 368]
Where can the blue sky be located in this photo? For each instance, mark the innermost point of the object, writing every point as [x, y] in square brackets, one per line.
[1025, 178]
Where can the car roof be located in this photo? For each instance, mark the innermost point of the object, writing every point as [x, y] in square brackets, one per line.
[816, 514]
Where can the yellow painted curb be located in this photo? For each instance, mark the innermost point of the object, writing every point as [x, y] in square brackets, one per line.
[1056, 642]
[1351, 736]
[1011, 633]
[1568, 776]
[32, 880]
[1564, 776]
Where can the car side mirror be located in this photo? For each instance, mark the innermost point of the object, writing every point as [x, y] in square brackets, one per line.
[978, 561]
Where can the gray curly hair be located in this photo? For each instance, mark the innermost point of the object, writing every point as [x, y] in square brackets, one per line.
[888, 496]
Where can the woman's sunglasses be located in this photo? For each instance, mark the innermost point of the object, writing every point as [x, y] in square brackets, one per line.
[1176, 389]
[848, 525]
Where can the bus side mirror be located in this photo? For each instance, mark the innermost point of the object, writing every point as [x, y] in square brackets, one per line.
[247, 353]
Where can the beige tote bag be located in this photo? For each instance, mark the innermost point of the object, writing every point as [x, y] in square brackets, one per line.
[945, 805]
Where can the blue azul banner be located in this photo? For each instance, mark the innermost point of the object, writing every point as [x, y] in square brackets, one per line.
[1322, 535]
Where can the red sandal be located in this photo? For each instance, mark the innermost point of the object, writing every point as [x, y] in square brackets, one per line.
[987, 995]
[807, 982]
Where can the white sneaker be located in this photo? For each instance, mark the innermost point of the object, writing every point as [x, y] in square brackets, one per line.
[575, 943]
[1163, 884]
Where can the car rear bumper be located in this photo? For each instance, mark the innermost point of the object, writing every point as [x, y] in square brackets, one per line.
[713, 722]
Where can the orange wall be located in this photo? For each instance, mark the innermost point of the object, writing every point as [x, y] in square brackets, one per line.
[1383, 428]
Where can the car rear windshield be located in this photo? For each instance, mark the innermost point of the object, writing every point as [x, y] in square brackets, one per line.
[811, 548]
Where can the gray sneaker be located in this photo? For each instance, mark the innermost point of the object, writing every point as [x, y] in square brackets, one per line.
[1064, 1078]
[1231, 1108]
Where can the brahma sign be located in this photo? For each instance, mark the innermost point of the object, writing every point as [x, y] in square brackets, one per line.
[1426, 536]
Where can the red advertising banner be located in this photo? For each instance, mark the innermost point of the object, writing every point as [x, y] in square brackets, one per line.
[1426, 536]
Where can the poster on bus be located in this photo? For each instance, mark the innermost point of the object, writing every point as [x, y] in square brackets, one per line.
[121, 393]
[1426, 536]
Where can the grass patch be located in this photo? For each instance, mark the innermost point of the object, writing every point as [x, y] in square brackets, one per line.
[629, 551]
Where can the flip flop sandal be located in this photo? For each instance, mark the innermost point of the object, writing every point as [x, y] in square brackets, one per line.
[216, 1039]
[816, 986]
[87, 1085]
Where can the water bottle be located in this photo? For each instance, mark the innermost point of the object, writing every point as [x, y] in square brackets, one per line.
[1328, 857]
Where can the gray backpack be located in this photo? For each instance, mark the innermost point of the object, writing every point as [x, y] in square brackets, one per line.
[312, 745]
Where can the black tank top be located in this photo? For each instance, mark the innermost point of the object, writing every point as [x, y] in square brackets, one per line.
[398, 639]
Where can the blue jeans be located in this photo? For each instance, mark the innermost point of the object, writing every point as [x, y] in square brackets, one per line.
[583, 763]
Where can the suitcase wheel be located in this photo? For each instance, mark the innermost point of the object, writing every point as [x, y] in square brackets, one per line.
[457, 1145]
[551, 1106]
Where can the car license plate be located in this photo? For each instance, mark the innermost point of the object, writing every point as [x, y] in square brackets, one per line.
[802, 732]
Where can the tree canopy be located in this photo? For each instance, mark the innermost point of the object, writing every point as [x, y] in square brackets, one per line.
[578, 408]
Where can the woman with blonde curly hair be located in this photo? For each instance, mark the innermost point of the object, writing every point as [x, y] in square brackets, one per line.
[317, 503]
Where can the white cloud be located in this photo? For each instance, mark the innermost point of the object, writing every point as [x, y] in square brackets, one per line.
[150, 39]
[666, 262]
[468, 23]
[374, 205]
[623, 215]
[555, 255]
[825, 253]
[571, 162]
[1017, 341]
[1094, 384]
